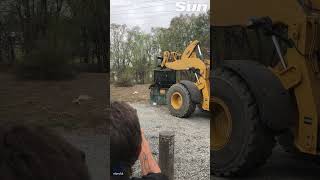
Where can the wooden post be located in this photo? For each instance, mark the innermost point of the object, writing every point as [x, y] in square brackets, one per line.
[166, 153]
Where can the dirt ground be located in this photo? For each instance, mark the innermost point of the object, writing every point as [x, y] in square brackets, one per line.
[136, 93]
[64, 105]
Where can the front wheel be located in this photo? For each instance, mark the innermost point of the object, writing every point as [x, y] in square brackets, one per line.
[239, 142]
[179, 101]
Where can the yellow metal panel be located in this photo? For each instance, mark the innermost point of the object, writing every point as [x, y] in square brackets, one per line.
[236, 12]
[307, 96]
[301, 30]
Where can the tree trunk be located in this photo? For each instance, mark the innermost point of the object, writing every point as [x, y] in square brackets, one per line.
[1, 47]
[11, 48]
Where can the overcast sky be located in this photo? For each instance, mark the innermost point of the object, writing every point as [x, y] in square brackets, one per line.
[152, 13]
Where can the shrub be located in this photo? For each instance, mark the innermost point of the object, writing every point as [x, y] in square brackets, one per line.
[47, 62]
[124, 79]
[50, 56]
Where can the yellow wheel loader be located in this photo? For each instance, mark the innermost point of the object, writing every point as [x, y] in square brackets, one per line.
[261, 86]
[182, 97]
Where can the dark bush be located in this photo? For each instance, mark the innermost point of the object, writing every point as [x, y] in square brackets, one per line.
[50, 57]
[47, 62]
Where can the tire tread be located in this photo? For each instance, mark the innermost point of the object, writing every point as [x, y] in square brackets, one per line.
[261, 142]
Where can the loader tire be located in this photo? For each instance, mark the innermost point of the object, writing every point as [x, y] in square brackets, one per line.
[249, 143]
[179, 101]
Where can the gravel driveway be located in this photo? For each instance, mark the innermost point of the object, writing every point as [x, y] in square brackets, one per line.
[192, 139]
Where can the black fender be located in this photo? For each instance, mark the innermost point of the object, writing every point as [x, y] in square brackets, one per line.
[275, 104]
[196, 96]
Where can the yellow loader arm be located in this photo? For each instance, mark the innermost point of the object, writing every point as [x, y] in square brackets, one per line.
[189, 61]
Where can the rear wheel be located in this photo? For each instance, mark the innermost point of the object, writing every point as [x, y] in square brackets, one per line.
[179, 101]
[239, 142]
